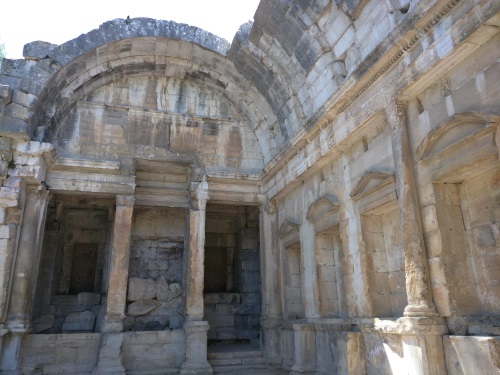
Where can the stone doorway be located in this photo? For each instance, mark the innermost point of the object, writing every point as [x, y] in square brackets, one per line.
[232, 282]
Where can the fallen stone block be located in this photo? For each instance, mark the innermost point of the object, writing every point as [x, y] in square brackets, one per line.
[141, 289]
[83, 321]
[142, 307]
[86, 298]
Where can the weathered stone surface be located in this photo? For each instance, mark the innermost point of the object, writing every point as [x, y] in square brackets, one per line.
[14, 127]
[142, 307]
[165, 292]
[86, 298]
[141, 289]
[5, 94]
[83, 321]
[37, 50]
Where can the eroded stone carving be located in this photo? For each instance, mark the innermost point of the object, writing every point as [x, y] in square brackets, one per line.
[140, 289]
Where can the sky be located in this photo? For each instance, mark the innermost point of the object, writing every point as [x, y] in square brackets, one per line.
[57, 21]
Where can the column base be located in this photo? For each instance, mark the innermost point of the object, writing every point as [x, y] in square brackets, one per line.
[305, 348]
[110, 355]
[192, 369]
[10, 351]
[420, 311]
[196, 349]
[422, 326]
[112, 324]
[271, 339]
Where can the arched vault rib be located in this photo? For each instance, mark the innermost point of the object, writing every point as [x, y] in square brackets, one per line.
[157, 57]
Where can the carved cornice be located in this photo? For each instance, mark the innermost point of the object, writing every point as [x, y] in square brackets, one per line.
[87, 166]
[418, 34]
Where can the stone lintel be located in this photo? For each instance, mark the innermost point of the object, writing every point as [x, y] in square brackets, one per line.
[419, 326]
[90, 182]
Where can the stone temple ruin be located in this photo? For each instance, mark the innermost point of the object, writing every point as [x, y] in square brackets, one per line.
[320, 196]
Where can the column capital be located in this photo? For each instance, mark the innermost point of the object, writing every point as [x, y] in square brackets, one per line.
[199, 194]
[269, 206]
[125, 200]
[396, 113]
[37, 191]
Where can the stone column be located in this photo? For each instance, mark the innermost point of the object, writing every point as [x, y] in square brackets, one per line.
[310, 282]
[12, 196]
[110, 353]
[24, 276]
[418, 286]
[271, 315]
[27, 259]
[195, 328]
[305, 348]
[119, 264]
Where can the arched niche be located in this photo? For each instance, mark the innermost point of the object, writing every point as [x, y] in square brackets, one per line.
[324, 215]
[377, 202]
[292, 276]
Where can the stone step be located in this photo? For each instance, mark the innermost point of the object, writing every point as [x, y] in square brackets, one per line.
[237, 361]
[242, 354]
[234, 369]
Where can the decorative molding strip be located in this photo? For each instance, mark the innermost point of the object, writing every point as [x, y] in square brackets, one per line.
[418, 35]
[87, 166]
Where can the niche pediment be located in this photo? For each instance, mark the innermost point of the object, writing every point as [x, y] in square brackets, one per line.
[288, 227]
[450, 133]
[371, 182]
[324, 212]
[323, 206]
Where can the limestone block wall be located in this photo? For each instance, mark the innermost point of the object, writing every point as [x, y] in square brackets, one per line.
[471, 354]
[77, 353]
[140, 117]
[458, 200]
[155, 300]
[151, 351]
[60, 353]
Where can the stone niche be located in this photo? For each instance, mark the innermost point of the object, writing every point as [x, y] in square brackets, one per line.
[376, 198]
[69, 286]
[232, 295]
[329, 256]
[462, 232]
[293, 277]
[155, 272]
